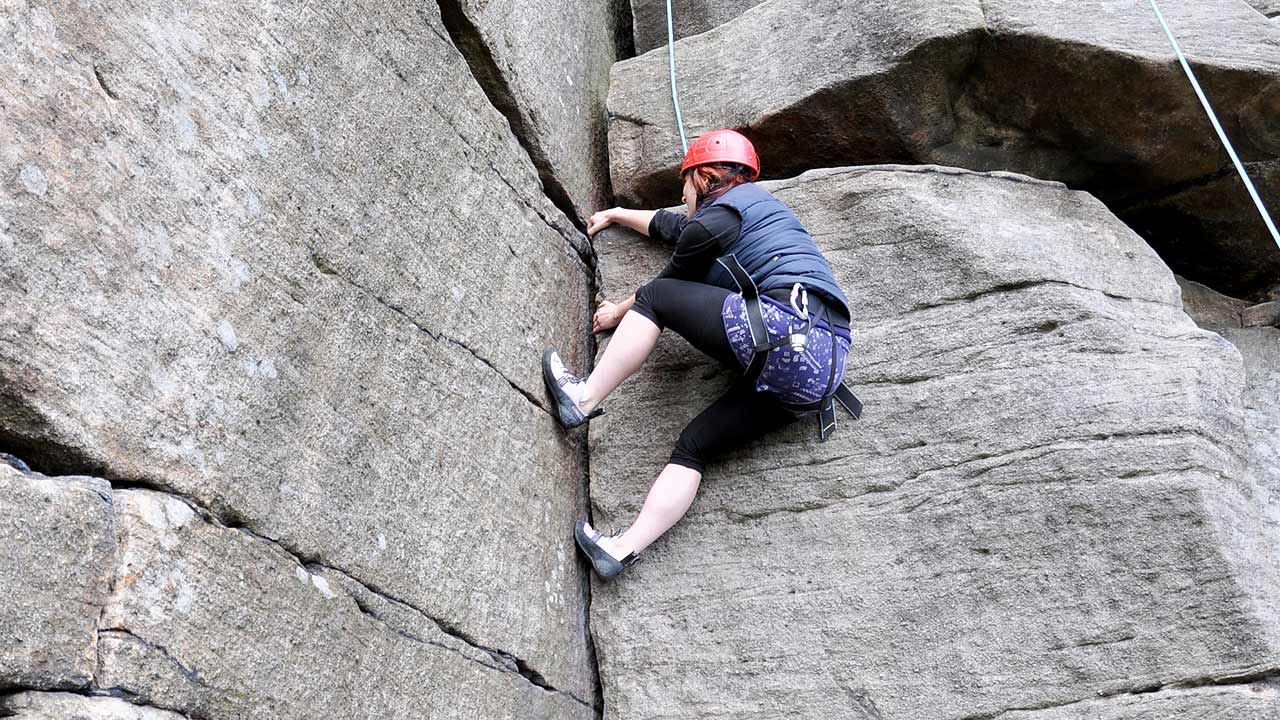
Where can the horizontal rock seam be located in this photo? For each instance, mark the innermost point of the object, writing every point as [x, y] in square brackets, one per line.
[504, 661]
[118, 695]
[326, 269]
[1243, 676]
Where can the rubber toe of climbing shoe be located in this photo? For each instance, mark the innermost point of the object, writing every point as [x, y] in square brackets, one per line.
[553, 374]
[604, 564]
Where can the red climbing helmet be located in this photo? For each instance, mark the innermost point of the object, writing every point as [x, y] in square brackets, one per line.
[720, 146]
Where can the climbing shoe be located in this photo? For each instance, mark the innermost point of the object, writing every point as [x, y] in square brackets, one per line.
[605, 565]
[565, 388]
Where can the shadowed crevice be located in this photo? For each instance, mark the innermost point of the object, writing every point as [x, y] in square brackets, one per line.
[484, 68]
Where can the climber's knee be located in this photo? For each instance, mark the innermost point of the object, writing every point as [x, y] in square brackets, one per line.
[646, 302]
[688, 452]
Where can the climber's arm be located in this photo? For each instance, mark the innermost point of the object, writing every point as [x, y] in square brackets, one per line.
[637, 220]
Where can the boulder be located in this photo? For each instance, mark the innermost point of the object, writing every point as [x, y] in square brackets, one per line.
[58, 553]
[1262, 315]
[1209, 308]
[211, 621]
[545, 65]
[1087, 93]
[689, 17]
[1044, 503]
[816, 84]
[288, 261]
[65, 706]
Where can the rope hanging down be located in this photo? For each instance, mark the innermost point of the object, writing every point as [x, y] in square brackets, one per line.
[1222, 135]
[671, 56]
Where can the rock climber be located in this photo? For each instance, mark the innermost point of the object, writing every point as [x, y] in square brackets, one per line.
[746, 285]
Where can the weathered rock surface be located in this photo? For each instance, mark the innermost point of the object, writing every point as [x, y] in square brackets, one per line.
[1270, 8]
[264, 254]
[1045, 502]
[65, 706]
[1262, 315]
[58, 548]
[545, 65]
[214, 622]
[1089, 94]
[689, 17]
[815, 82]
[1209, 308]
[1258, 701]
[1260, 349]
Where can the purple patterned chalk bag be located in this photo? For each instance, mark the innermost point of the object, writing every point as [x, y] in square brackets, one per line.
[795, 377]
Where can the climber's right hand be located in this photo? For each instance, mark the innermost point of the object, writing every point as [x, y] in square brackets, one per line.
[600, 221]
[607, 317]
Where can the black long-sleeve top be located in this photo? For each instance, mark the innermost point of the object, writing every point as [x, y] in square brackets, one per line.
[697, 242]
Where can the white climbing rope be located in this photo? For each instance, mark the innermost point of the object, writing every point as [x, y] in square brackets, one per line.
[671, 57]
[1222, 135]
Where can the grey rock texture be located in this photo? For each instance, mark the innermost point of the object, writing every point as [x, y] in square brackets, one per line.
[65, 706]
[545, 64]
[1270, 8]
[689, 17]
[1046, 501]
[215, 622]
[1259, 701]
[1209, 308]
[1260, 350]
[263, 255]
[1087, 93]
[1262, 315]
[59, 546]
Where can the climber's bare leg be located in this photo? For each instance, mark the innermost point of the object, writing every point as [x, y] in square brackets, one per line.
[668, 500]
[628, 349]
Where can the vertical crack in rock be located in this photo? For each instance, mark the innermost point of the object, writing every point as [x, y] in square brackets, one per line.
[484, 68]
[580, 245]
[594, 289]
[625, 36]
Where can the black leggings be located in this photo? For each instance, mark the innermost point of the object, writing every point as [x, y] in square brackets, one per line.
[741, 414]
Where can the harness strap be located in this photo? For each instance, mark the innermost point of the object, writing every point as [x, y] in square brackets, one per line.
[751, 294]
[849, 401]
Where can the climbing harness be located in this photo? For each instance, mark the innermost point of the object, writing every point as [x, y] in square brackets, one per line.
[671, 58]
[1213, 118]
[793, 369]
